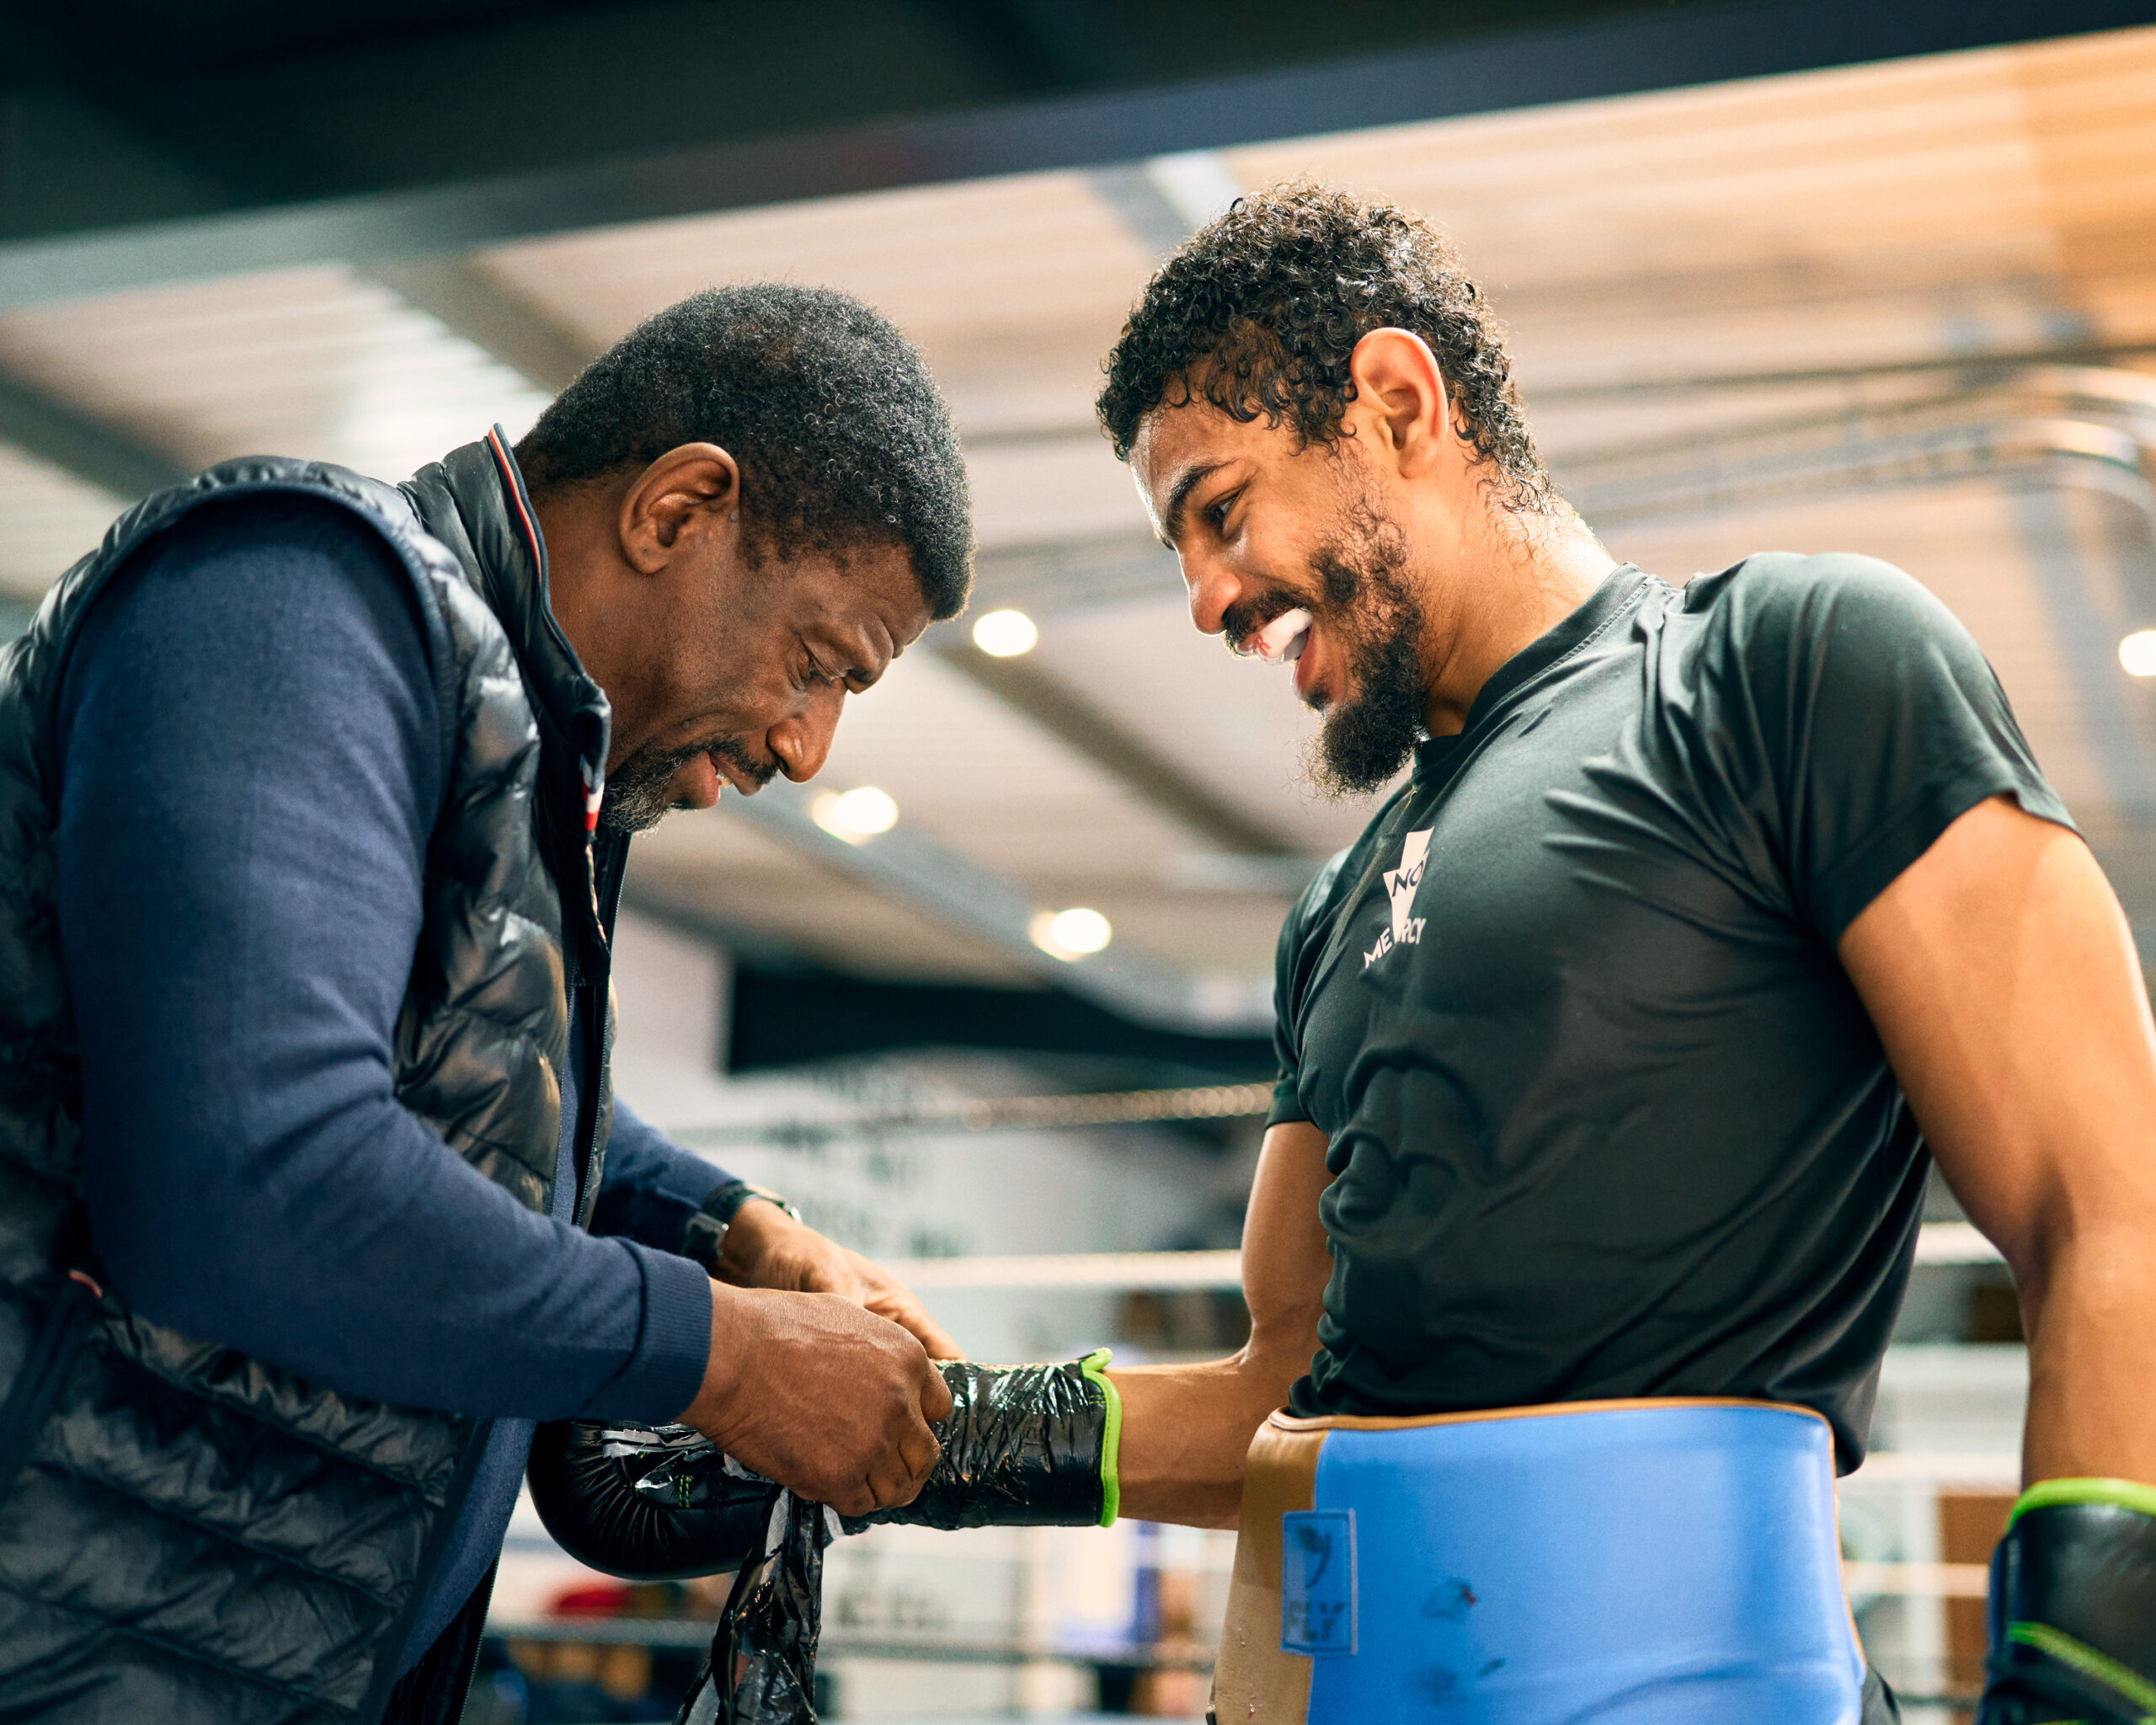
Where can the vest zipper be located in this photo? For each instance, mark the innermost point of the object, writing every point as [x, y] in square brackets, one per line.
[59, 1338]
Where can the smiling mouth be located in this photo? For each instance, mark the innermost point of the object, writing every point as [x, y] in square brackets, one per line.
[1282, 641]
[746, 780]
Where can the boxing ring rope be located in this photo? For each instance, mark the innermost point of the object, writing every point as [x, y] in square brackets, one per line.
[1940, 1243]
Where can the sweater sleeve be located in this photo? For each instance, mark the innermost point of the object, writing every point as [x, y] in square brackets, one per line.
[651, 1186]
[250, 767]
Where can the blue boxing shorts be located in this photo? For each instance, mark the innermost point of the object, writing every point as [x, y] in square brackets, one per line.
[1649, 1562]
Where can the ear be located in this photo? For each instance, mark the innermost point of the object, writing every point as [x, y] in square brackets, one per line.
[1401, 411]
[685, 494]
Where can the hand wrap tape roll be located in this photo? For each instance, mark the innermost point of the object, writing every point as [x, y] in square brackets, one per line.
[2073, 1607]
[1024, 1446]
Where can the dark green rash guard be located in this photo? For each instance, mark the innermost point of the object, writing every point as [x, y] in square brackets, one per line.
[1607, 1118]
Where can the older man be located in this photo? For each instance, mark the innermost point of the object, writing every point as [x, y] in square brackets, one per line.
[313, 1198]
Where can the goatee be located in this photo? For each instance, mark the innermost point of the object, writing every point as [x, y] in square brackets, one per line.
[1372, 614]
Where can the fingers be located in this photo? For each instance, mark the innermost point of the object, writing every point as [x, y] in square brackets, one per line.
[909, 1317]
[918, 1454]
[934, 1395]
[939, 1342]
[884, 1294]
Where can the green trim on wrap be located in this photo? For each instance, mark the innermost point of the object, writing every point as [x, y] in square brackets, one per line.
[1093, 1366]
[2056, 1644]
[2126, 1493]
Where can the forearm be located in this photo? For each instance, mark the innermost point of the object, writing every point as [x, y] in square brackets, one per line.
[386, 1267]
[652, 1186]
[1186, 1430]
[2091, 1316]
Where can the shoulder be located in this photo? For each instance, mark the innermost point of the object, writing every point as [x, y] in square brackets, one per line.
[274, 593]
[1784, 592]
[1830, 616]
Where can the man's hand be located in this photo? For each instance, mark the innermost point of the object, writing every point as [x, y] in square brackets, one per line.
[764, 1247]
[813, 1392]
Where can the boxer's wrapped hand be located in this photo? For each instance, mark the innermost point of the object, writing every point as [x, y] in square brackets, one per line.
[2073, 1607]
[1023, 1445]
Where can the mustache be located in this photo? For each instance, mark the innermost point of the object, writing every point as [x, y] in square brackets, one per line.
[1241, 621]
[735, 755]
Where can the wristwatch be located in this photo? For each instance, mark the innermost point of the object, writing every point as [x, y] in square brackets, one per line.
[705, 1235]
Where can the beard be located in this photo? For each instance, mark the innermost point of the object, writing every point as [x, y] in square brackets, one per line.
[640, 792]
[1370, 612]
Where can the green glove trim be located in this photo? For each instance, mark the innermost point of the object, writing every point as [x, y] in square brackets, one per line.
[2126, 1493]
[2085, 1659]
[1112, 1437]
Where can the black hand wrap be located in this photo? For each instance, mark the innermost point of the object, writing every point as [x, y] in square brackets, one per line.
[1024, 1446]
[761, 1669]
[2073, 1608]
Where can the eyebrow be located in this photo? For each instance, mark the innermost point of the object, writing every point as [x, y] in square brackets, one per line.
[1187, 481]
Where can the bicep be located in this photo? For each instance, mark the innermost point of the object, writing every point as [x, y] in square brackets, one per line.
[2002, 977]
[1286, 1263]
[245, 794]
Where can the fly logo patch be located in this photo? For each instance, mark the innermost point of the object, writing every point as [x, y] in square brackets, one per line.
[1399, 887]
[1317, 1582]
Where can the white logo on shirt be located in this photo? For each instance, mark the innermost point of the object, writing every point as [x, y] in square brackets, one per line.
[1399, 887]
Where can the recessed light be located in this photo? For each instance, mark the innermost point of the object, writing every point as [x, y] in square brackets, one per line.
[1070, 934]
[2138, 653]
[855, 815]
[1005, 634]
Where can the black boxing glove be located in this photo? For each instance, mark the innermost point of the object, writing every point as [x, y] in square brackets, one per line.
[647, 1503]
[1023, 1446]
[2072, 1613]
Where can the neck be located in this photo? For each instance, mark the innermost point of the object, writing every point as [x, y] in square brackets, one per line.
[1508, 584]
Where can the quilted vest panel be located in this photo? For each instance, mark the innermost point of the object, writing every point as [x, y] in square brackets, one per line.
[195, 1536]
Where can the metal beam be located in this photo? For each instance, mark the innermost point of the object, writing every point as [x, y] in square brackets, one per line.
[1056, 576]
[93, 452]
[1132, 760]
[489, 315]
[2027, 418]
[1644, 51]
[962, 894]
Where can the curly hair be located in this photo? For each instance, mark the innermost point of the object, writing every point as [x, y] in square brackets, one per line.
[1260, 311]
[840, 433]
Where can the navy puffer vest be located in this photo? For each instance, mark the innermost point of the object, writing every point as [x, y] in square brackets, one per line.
[187, 1534]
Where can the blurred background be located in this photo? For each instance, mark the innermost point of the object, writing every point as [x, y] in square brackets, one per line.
[991, 997]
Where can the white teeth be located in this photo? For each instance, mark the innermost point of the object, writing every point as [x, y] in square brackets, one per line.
[1281, 642]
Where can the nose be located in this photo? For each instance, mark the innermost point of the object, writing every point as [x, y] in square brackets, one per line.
[1213, 587]
[801, 741]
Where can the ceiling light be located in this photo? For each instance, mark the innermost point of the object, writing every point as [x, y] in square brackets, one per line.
[1070, 934]
[2138, 653]
[853, 815]
[1005, 634]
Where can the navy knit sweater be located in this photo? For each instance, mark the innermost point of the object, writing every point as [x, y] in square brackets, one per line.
[251, 763]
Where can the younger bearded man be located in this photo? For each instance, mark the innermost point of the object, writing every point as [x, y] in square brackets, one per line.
[1615, 1053]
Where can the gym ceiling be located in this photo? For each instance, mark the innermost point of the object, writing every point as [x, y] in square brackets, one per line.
[1812, 275]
